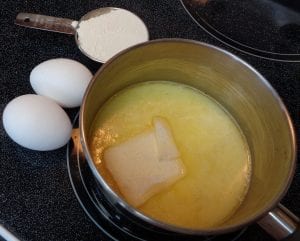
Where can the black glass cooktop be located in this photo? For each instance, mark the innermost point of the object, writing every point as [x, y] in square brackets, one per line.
[266, 28]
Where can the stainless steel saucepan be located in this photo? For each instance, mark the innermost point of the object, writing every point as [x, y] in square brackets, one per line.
[243, 92]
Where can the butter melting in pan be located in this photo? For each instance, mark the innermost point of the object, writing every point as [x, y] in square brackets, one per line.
[209, 143]
[145, 164]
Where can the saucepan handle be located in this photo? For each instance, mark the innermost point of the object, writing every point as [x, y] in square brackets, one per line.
[49, 23]
[281, 224]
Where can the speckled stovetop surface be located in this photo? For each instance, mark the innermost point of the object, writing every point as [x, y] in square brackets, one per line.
[36, 198]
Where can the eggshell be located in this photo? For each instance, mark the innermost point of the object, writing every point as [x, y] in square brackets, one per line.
[63, 80]
[37, 123]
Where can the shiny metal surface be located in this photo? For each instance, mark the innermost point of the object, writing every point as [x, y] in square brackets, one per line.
[238, 87]
[43, 22]
[279, 223]
[6, 235]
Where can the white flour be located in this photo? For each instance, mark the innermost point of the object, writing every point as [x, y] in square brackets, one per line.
[103, 36]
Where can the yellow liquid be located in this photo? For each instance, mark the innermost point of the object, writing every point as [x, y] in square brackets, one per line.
[212, 148]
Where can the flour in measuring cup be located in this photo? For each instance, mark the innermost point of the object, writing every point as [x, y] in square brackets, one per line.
[103, 36]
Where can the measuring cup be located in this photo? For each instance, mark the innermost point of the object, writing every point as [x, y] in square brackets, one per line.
[68, 26]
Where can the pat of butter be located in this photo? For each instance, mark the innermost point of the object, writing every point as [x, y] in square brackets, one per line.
[145, 164]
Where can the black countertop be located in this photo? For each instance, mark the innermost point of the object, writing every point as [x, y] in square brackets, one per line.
[36, 198]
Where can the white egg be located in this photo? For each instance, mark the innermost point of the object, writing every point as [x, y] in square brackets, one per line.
[37, 123]
[63, 80]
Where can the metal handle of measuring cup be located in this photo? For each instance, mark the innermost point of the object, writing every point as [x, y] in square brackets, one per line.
[43, 22]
